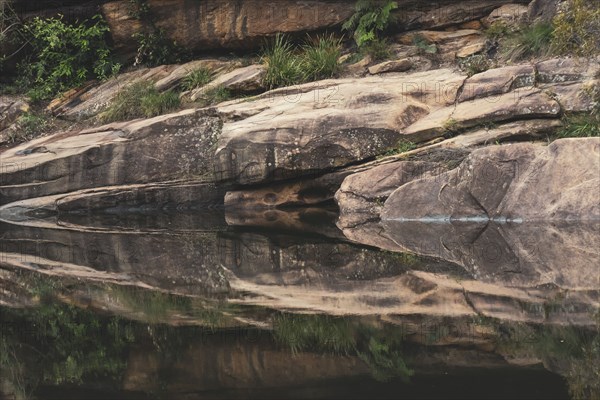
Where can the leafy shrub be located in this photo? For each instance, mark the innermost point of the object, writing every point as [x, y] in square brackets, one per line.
[197, 78]
[12, 37]
[320, 58]
[217, 95]
[530, 41]
[475, 64]
[155, 48]
[65, 56]
[497, 30]
[369, 20]
[378, 49]
[424, 46]
[577, 28]
[140, 99]
[27, 126]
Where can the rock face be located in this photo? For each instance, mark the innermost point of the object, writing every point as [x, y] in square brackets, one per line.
[112, 155]
[321, 126]
[518, 182]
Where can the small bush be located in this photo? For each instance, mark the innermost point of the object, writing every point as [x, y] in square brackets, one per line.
[424, 46]
[530, 41]
[497, 30]
[218, 94]
[65, 56]
[370, 18]
[577, 28]
[155, 48]
[378, 49]
[138, 100]
[320, 59]
[475, 64]
[283, 64]
[197, 78]
[26, 127]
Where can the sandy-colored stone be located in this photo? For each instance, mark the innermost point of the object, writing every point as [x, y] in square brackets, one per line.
[391, 66]
[509, 14]
[240, 81]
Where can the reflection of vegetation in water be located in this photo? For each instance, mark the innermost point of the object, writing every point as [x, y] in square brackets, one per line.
[379, 348]
[160, 307]
[61, 344]
[572, 352]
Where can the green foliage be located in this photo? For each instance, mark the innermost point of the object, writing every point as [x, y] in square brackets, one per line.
[378, 49]
[579, 125]
[401, 147]
[475, 64]
[370, 18]
[27, 126]
[384, 362]
[65, 56]
[530, 41]
[497, 30]
[288, 65]
[424, 46]
[316, 332]
[155, 48]
[218, 94]
[197, 78]
[577, 28]
[320, 58]
[138, 100]
[11, 32]
[139, 9]
[283, 64]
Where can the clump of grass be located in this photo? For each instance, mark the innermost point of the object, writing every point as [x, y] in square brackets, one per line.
[475, 64]
[320, 58]
[138, 100]
[577, 28]
[283, 64]
[402, 146]
[530, 41]
[197, 78]
[451, 126]
[218, 94]
[579, 125]
[288, 65]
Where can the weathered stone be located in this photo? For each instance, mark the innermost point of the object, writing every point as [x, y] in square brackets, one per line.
[391, 66]
[542, 10]
[10, 109]
[497, 81]
[560, 70]
[471, 49]
[361, 196]
[515, 182]
[527, 103]
[242, 80]
[177, 75]
[217, 24]
[450, 44]
[325, 125]
[115, 154]
[509, 14]
[88, 101]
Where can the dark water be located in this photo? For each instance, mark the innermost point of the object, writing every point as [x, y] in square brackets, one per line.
[189, 306]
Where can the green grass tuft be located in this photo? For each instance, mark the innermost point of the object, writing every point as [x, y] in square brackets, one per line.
[320, 58]
[197, 78]
[140, 100]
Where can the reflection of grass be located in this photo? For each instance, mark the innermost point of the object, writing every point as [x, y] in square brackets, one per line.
[380, 349]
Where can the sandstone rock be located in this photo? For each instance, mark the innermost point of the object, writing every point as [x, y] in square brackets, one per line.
[361, 196]
[90, 100]
[528, 103]
[543, 10]
[516, 182]
[450, 44]
[509, 14]
[11, 108]
[497, 81]
[476, 24]
[177, 75]
[560, 70]
[471, 49]
[391, 66]
[242, 80]
[325, 125]
[217, 24]
[115, 154]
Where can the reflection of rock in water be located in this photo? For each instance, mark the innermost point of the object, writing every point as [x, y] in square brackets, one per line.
[517, 255]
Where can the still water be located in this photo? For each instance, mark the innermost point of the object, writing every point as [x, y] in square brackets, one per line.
[211, 305]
